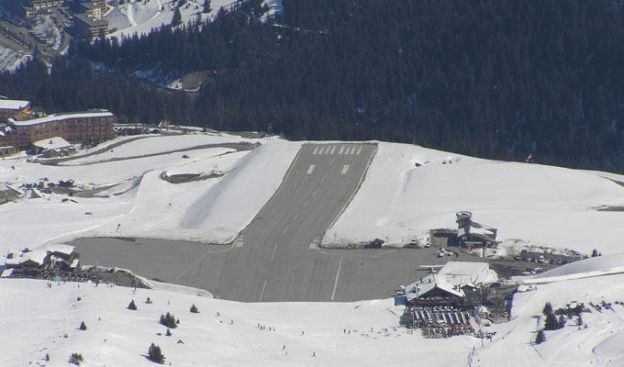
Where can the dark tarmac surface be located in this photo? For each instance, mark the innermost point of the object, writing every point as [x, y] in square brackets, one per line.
[276, 257]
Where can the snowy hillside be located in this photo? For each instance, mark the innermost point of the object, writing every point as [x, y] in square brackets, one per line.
[141, 17]
[410, 190]
[226, 333]
[11, 59]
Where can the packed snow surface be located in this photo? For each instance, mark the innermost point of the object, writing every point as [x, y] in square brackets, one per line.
[409, 190]
[226, 333]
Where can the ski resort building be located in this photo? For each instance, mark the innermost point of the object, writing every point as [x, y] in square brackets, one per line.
[90, 27]
[442, 304]
[28, 8]
[88, 127]
[10, 108]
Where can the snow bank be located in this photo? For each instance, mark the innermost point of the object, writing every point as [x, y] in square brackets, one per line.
[234, 201]
[594, 266]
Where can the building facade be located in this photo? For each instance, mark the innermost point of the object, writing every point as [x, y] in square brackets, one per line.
[79, 127]
[13, 109]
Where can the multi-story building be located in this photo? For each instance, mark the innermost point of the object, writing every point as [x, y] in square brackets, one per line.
[94, 9]
[90, 27]
[28, 8]
[13, 108]
[88, 127]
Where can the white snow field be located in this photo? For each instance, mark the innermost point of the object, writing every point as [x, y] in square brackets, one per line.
[226, 333]
[537, 204]
[143, 16]
[397, 201]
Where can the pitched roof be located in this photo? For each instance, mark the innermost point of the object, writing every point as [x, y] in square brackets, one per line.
[52, 143]
[13, 104]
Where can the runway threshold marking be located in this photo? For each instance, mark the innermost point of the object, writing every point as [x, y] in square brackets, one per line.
[333, 149]
[316, 149]
[345, 169]
[262, 291]
[359, 151]
[341, 149]
[274, 251]
[310, 169]
[337, 277]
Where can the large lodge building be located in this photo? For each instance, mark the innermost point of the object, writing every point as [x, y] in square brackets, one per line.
[18, 132]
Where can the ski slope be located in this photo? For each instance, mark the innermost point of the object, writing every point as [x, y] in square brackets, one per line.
[227, 333]
[142, 17]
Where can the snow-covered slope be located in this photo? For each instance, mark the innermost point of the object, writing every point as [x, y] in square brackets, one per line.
[400, 201]
[142, 17]
[11, 59]
[227, 333]
[224, 211]
[594, 266]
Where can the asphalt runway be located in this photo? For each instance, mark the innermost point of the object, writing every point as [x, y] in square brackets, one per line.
[276, 257]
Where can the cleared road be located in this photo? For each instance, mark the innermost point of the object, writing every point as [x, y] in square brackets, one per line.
[275, 258]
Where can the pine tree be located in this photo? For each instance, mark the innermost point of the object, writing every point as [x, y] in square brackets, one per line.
[168, 333]
[177, 17]
[551, 322]
[194, 309]
[83, 326]
[168, 320]
[541, 337]
[547, 309]
[207, 8]
[154, 354]
[132, 306]
[76, 358]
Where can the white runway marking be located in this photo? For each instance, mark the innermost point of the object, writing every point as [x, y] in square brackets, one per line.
[262, 291]
[351, 150]
[341, 149]
[240, 241]
[335, 280]
[345, 168]
[316, 150]
[274, 251]
[333, 149]
[310, 169]
[359, 151]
